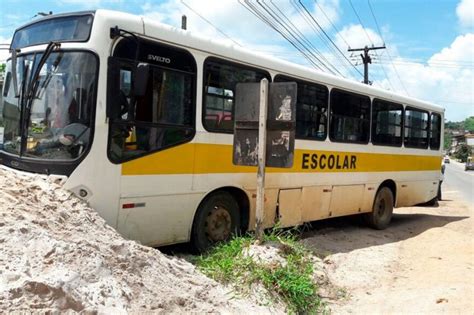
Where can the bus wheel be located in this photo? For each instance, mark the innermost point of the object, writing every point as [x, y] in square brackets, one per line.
[217, 219]
[382, 210]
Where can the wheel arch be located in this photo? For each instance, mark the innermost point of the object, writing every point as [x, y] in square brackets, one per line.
[390, 184]
[242, 199]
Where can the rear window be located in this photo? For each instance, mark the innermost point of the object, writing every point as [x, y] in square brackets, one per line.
[75, 28]
[416, 128]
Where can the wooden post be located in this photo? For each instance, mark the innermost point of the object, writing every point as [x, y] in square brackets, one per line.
[262, 143]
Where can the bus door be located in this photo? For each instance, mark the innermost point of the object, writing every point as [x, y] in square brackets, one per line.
[151, 107]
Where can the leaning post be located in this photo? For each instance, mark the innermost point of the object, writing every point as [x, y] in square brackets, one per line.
[262, 140]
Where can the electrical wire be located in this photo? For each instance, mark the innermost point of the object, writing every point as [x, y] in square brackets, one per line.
[387, 50]
[333, 26]
[375, 19]
[327, 36]
[254, 10]
[370, 40]
[300, 34]
[210, 23]
[297, 37]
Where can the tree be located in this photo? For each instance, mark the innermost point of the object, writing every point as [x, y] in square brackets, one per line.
[463, 152]
[454, 125]
[469, 124]
[448, 140]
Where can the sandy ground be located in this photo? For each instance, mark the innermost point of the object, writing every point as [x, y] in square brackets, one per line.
[422, 264]
[58, 255]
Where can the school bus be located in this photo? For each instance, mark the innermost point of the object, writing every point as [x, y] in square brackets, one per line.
[136, 118]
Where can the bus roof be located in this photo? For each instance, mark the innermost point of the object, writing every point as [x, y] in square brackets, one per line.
[241, 54]
[186, 38]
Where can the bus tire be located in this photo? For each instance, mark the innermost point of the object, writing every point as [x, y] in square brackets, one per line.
[382, 209]
[216, 220]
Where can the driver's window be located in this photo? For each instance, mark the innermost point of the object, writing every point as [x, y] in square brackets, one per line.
[125, 88]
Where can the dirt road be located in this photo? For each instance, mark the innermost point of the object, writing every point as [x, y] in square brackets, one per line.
[423, 263]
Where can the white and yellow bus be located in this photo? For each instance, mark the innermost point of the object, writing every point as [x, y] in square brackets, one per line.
[137, 118]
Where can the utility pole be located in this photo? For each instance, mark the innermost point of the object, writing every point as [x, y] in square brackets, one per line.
[366, 59]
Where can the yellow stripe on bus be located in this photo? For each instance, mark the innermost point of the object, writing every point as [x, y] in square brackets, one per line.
[200, 158]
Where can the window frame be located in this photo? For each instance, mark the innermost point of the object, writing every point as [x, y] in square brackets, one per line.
[204, 92]
[63, 16]
[430, 133]
[125, 62]
[320, 85]
[412, 108]
[331, 116]
[373, 126]
[61, 167]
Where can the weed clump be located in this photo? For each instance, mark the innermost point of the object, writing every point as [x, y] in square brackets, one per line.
[287, 277]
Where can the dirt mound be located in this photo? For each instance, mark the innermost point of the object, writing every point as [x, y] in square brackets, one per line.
[58, 254]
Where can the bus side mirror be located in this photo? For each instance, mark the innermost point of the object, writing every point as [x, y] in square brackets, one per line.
[140, 81]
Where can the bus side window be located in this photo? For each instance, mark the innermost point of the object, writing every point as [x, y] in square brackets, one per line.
[163, 116]
[416, 128]
[387, 120]
[311, 109]
[350, 117]
[435, 131]
[220, 79]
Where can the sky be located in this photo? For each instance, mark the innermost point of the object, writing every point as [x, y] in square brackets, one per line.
[430, 43]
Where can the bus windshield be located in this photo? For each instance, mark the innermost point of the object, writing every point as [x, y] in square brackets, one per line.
[55, 121]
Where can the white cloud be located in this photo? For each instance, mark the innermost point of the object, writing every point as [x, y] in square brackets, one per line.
[465, 13]
[89, 2]
[357, 37]
[4, 52]
[430, 81]
[236, 21]
[446, 79]
[230, 17]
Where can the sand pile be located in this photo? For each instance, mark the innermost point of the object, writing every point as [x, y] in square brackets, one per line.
[57, 254]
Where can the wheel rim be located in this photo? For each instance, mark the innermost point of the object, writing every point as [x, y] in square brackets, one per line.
[218, 224]
[381, 207]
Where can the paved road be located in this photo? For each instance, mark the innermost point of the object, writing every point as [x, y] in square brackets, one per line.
[458, 180]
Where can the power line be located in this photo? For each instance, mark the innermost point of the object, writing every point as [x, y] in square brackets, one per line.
[375, 19]
[210, 23]
[308, 21]
[370, 40]
[360, 21]
[366, 59]
[281, 28]
[330, 21]
[303, 50]
[302, 36]
[388, 53]
[327, 36]
[433, 65]
[263, 18]
[459, 63]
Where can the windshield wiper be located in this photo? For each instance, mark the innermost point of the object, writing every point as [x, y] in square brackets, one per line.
[34, 83]
[31, 92]
[14, 73]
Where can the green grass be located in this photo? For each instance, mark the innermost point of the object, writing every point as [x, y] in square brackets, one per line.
[291, 282]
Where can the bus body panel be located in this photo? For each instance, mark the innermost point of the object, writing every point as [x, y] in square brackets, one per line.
[154, 198]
